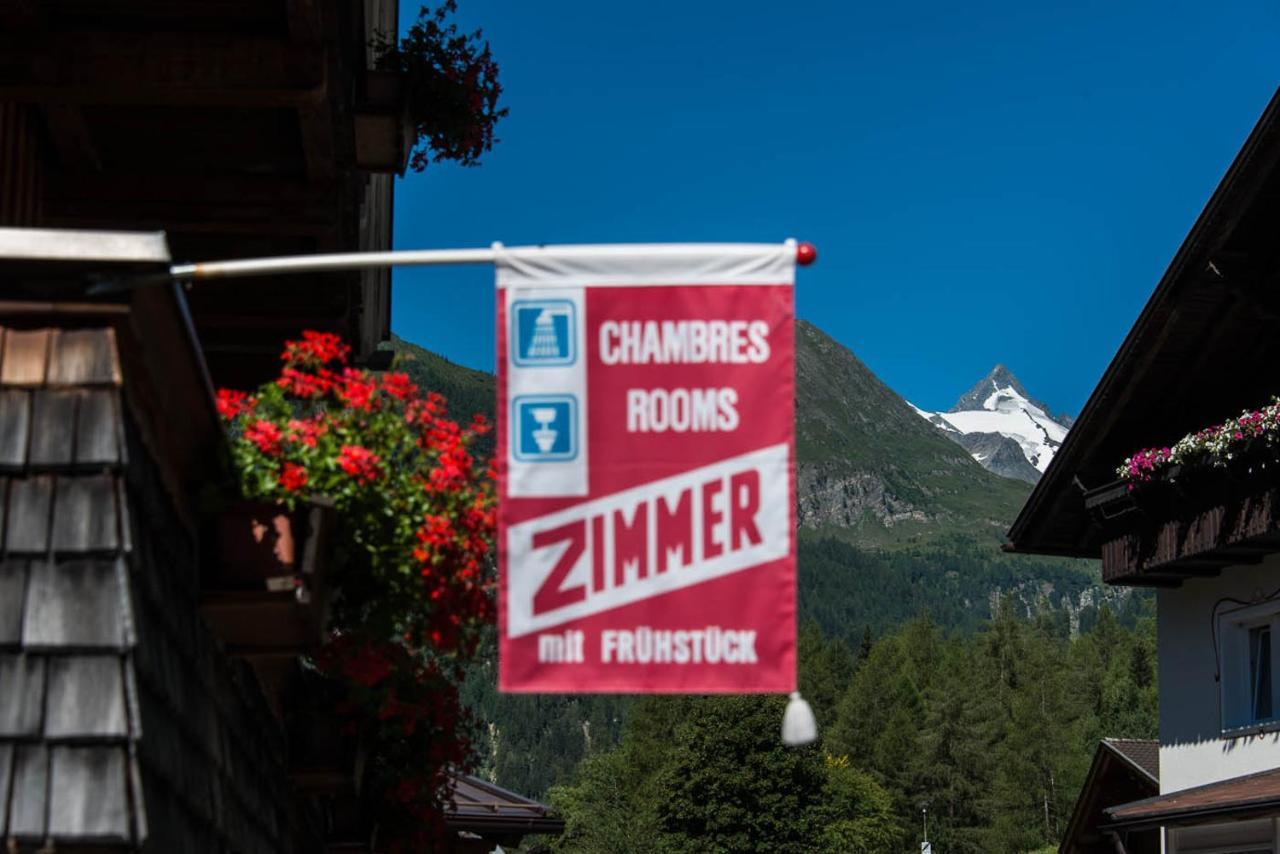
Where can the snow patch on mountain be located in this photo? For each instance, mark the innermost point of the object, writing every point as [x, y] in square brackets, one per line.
[996, 416]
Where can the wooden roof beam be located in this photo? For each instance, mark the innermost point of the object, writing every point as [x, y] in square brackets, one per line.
[315, 118]
[310, 221]
[195, 203]
[178, 69]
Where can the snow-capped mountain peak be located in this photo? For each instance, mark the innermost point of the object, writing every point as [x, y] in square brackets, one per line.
[998, 417]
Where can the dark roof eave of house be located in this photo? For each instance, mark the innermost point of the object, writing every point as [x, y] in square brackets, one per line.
[1197, 815]
[1234, 798]
[502, 810]
[1078, 816]
[505, 824]
[1097, 414]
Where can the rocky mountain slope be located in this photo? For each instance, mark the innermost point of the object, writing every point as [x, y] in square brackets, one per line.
[871, 470]
[1003, 427]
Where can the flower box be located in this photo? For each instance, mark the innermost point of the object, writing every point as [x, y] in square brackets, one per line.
[254, 545]
[264, 588]
[1243, 448]
[412, 518]
[384, 131]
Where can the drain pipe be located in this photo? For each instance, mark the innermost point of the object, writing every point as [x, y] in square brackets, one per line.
[1117, 842]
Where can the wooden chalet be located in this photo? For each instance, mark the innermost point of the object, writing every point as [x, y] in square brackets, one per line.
[1205, 348]
[149, 700]
[1123, 769]
[484, 815]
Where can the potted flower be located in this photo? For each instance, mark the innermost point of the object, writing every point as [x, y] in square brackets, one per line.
[434, 96]
[413, 518]
[1243, 446]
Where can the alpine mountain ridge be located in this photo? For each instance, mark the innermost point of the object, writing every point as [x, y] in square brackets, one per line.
[1003, 427]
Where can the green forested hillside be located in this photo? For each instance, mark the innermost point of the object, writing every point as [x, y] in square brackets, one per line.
[992, 731]
[469, 391]
[844, 588]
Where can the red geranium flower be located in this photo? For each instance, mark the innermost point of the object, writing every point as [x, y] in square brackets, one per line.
[367, 666]
[402, 475]
[357, 390]
[316, 348]
[398, 386]
[293, 477]
[232, 404]
[305, 384]
[265, 434]
[436, 531]
[360, 463]
[307, 432]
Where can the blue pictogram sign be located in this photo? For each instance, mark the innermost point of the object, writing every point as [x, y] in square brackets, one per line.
[546, 428]
[543, 333]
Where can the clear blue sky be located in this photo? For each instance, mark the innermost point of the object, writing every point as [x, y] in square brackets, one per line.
[985, 182]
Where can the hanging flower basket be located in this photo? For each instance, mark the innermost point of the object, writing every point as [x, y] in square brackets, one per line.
[411, 570]
[450, 88]
[385, 132]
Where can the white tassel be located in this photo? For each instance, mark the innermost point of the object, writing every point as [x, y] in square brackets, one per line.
[798, 725]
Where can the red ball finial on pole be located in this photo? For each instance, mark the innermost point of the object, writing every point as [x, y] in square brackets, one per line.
[806, 254]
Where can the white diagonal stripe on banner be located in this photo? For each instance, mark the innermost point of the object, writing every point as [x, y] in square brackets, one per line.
[558, 572]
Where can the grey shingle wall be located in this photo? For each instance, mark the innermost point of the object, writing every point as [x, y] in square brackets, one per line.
[68, 729]
[122, 724]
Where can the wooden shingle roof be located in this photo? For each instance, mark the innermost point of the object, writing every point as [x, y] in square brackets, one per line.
[68, 724]
[481, 807]
[1143, 754]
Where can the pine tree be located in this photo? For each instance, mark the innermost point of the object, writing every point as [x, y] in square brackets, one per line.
[1038, 771]
[731, 785]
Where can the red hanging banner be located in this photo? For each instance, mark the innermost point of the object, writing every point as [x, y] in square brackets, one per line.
[645, 460]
